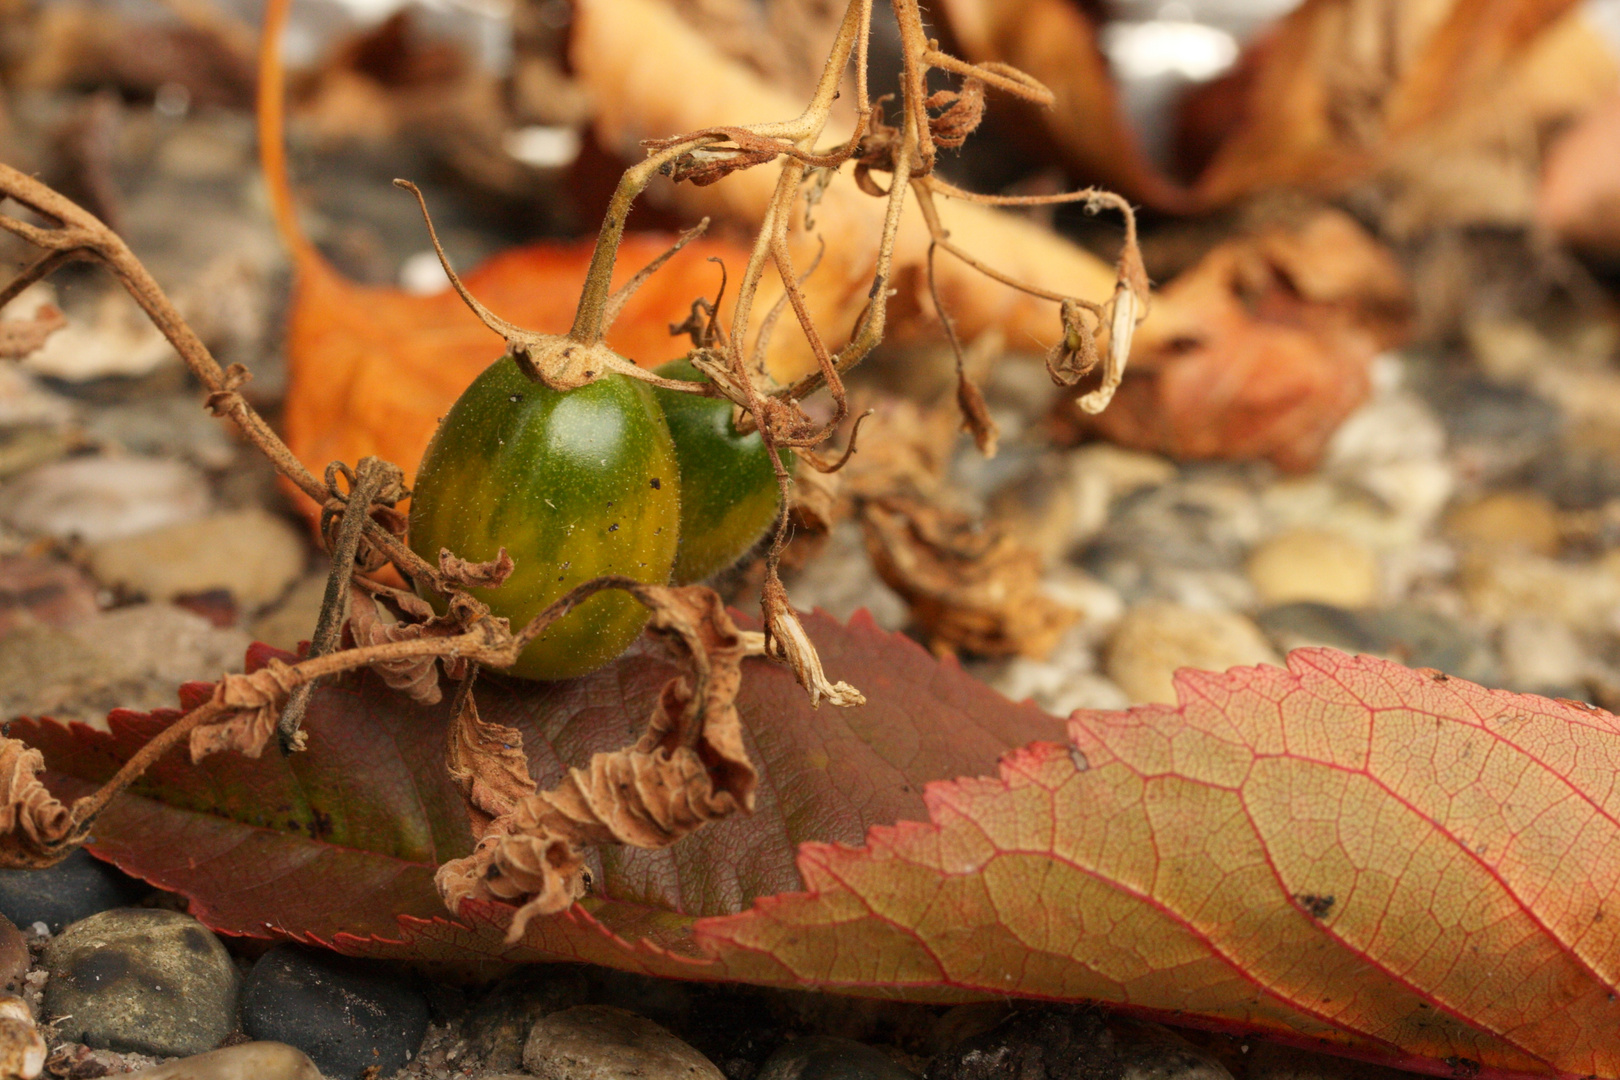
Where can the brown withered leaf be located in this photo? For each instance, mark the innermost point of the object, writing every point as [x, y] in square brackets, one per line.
[415, 676]
[475, 574]
[688, 768]
[31, 818]
[255, 701]
[1262, 348]
[487, 763]
[969, 584]
[20, 337]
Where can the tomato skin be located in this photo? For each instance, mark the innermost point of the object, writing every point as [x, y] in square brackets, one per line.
[574, 485]
[729, 495]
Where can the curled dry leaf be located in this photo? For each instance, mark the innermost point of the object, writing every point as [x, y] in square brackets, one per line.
[487, 763]
[32, 820]
[415, 676]
[255, 702]
[688, 768]
[484, 575]
[970, 585]
[1579, 198]
[1262, 348]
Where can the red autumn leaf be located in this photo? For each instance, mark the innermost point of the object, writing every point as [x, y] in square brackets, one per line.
[1348, 854]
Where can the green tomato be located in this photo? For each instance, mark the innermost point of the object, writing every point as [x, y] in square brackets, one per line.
[728, 488]
[574, 485]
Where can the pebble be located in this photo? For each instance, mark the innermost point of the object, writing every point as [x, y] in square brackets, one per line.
[1543, 656]
[1507, 520]
[177, 426]
[602, 1042]
[347, 1015]
[133, 657]
[828, 1057]
[1405, 633]
[244, 1061]
[1039, 1044]
[1503, 585]
[1310, 564]
[252, 553]
[76, 888]
[142, 979]
[22, 1047]
[38, 591]
[1156, 639]
[1494, 430]
[1168, 1059]
[99, 498]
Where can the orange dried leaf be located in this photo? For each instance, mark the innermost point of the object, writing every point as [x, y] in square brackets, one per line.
[1261, 349]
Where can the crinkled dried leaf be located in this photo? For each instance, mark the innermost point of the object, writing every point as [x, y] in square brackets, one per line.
[417, 676]
[969, 584]
[475, 574]
[487, 763]
[255, 700]
[689, 768]
[1262, 348]
[31, 818]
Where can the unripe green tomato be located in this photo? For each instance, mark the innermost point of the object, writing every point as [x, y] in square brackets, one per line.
[574, 485]
[728, 488]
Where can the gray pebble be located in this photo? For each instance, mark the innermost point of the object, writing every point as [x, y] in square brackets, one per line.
[76, 888]
[601, 1042]
[1411, 635]
[347, 1015]
[1038, 1044]
[152, 981]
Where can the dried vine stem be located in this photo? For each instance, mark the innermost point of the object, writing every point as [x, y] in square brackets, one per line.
[76, 234]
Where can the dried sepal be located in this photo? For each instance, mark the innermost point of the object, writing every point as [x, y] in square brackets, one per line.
[254, 704]
[1075, 354]
[1126, 310]
[689, 767]
[786, 640]
[33, 822]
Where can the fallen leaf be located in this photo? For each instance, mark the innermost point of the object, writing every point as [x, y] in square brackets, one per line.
[1429, 94]
[1580, 188]
[1349, 855]
[1262, 348]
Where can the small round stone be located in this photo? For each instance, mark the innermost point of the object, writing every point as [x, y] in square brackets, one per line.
[143, 980]
[76, 888]
[347, 1015]
[245, 1061]
[1155, 640]
[601, 1042]
[1310, 564]
[827, 1057]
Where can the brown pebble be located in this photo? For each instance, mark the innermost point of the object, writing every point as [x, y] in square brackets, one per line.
[14, 959]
